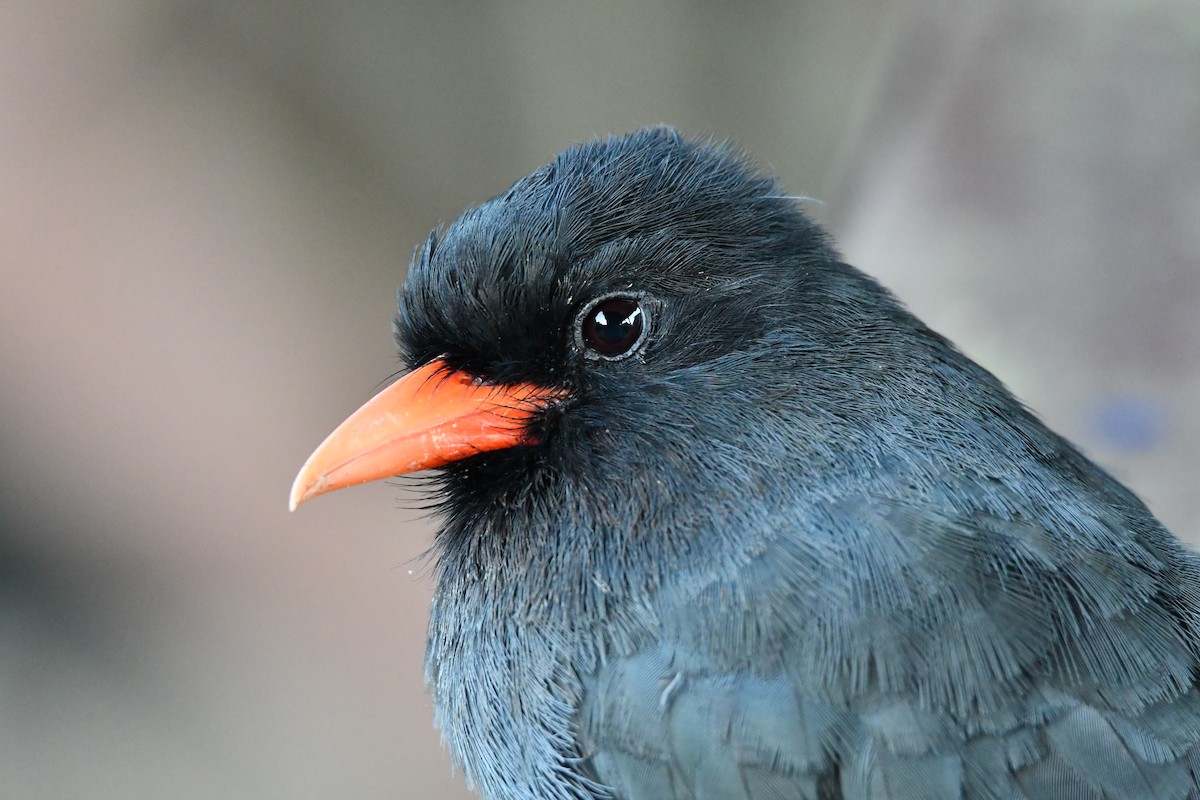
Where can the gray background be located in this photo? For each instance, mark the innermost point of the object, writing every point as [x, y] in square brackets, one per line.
[205, 212]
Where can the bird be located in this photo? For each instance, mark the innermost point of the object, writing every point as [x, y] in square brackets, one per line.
[720, 518]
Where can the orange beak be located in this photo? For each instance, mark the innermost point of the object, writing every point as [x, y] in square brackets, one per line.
[428, 418]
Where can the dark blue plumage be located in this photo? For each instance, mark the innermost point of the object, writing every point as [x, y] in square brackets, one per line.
[794, 545]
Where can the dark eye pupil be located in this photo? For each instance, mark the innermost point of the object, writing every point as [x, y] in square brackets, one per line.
[614, 326]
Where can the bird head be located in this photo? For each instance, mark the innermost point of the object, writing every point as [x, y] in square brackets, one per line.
[644, 311]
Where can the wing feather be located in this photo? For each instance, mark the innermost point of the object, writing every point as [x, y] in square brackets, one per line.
[955, 658]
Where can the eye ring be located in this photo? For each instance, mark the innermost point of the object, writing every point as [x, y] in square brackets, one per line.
[613, 327]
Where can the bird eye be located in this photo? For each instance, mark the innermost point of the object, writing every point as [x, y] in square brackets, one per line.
[613, 327]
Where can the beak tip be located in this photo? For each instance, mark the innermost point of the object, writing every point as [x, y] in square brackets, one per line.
[301, 491]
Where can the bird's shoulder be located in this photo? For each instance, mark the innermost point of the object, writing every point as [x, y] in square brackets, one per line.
[906, 651]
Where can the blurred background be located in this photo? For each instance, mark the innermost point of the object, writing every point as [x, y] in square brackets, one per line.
[206, 209]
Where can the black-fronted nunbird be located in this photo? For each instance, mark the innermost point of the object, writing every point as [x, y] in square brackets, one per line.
[720, 519]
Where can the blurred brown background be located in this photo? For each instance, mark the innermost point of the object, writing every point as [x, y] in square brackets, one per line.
[207, 207]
